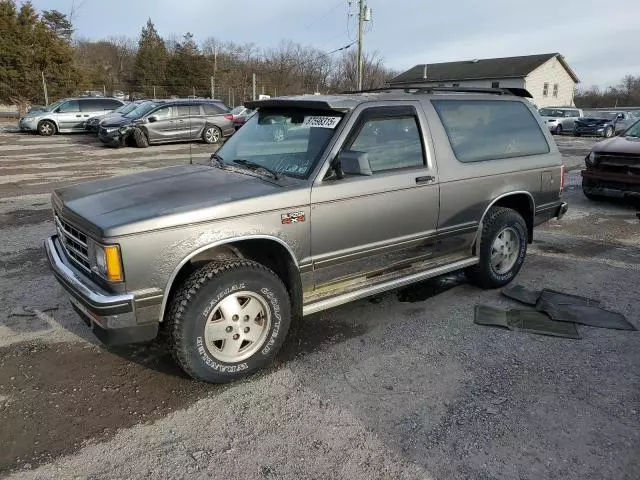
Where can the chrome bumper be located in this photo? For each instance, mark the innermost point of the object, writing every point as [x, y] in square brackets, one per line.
[113, 318]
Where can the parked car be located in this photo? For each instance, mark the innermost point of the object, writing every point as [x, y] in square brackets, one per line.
[67, 115]
[240, 115]
[605, 124]
[93, 124]
[612, 168]
[168, 122]
[225, 255]
[560, 120]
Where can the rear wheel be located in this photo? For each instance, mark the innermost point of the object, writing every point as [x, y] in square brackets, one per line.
[140, 138]
[503, 247]
[228, 320]
[211, 134]
[559, 130]
[46, 128]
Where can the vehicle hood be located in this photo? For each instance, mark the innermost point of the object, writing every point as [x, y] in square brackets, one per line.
[105, 116]
[621, 145]
[115, 121]
[169, 197]
[593, 120]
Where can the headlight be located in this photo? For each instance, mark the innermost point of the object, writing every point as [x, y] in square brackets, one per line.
[107, 262]
[124, 129]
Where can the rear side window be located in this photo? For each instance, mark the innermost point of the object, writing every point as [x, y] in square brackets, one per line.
[183, 110]
[481, 130]
[109, 104]
[213, 109]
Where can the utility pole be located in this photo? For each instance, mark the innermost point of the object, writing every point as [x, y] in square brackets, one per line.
[44, 86]
[361, 9]
[215, 67]
[254, 86]
[213, 89]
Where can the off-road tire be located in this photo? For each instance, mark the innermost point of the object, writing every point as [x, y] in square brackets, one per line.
[140, 138]
[211, 134]
[497, 220]
[46, 128]
[200, 293]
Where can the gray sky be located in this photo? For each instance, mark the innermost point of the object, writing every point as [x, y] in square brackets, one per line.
[597, 40]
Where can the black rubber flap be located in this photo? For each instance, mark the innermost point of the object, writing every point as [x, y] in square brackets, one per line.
[584, 314]
[529, 321]
[531, 297]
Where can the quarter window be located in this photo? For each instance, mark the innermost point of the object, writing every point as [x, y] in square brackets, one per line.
[390, 142]
[545, 90]
[481, 130]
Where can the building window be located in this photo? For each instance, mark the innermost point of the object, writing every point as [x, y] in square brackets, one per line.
[545, 90]
[495, 84]
[455, 84]
[555, 89]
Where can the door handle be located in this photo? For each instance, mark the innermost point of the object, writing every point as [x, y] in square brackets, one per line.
[78, 115]
[86, 115]
[425, 179]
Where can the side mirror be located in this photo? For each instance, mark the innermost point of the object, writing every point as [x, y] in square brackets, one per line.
[354, 163]
[152, 119]
[620, 116]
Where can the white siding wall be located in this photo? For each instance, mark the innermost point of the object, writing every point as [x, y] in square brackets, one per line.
[551, 72]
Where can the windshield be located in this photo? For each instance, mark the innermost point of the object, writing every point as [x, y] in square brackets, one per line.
[285, 141]
[141, 110]
[633, 131]
[126, 108]
[53, 106]
[550, 112]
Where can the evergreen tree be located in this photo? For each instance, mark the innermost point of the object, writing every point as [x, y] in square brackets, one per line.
[151, 60]
[188, 69]
[32, 46]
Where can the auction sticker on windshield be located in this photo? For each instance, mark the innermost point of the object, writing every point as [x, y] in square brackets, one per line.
[320, 121]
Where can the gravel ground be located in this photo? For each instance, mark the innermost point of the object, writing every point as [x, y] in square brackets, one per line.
[403, 385]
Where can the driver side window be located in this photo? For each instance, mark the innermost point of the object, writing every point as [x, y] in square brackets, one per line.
[391, 143]
[162, 113]
[70, 106]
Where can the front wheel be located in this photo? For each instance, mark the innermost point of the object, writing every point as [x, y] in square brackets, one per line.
[608, 132]
[140, 138]
[559, 130]
[211, 134]
[46, 128]
[503, 247]
[228, 320]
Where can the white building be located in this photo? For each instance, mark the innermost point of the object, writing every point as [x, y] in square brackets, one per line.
[547, 77]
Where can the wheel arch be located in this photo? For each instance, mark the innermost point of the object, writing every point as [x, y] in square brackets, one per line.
[49, 119]
[521, 201]
[270, 251]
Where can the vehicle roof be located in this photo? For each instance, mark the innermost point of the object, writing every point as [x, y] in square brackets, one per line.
[349, 100]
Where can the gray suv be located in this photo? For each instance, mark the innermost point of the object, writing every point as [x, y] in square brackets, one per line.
[67, 115]
[366, 192]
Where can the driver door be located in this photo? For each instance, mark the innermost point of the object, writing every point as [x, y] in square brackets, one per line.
[69, 116]
[364, 225]
[163, 129]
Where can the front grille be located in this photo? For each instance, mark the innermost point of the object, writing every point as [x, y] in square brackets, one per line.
[103, 131]
[74, 243]
[622, 165]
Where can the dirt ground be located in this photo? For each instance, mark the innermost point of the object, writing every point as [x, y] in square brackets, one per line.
[403, 385]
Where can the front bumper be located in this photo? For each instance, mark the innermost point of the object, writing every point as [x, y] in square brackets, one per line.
[111, 139]
[27, 126]
[598, 130]
[114, 318]
[609, 184]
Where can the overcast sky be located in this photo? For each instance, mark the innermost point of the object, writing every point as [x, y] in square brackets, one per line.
[598, 39]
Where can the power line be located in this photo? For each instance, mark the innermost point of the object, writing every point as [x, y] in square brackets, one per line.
[342, 48]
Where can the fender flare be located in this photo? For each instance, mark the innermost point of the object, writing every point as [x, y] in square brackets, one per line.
[203, 248]
[532, 203]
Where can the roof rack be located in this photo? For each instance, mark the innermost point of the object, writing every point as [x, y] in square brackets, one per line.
[408, 88]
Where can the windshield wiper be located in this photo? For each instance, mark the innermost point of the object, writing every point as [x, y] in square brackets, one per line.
[216, 159]
[257, 166]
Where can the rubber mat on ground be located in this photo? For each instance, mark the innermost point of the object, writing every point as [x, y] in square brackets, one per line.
[564, 307]
[529, 321]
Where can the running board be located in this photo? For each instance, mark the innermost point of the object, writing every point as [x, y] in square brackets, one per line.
[384, 286]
